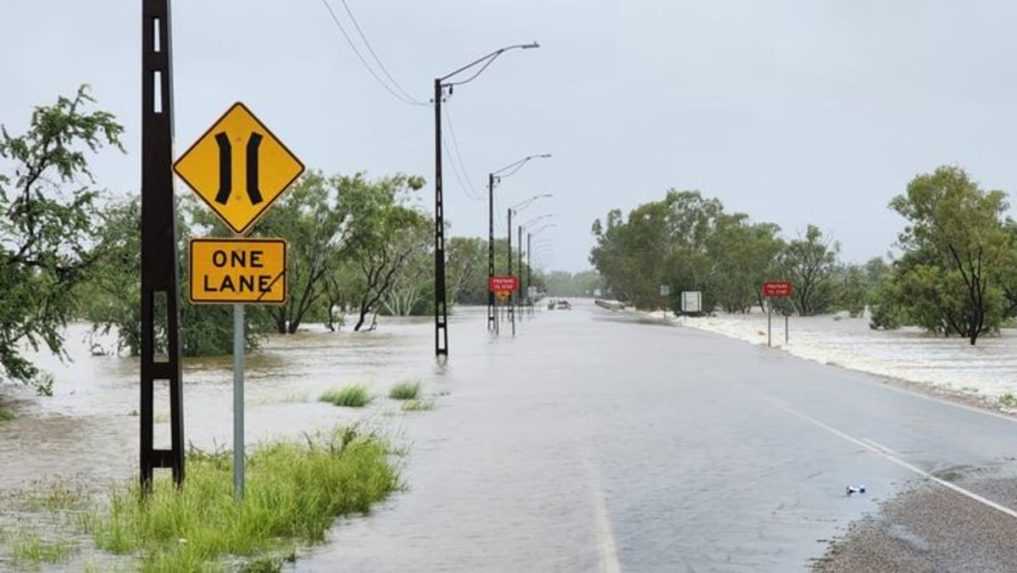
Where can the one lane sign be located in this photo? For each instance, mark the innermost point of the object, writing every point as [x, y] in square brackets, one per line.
[234, 271]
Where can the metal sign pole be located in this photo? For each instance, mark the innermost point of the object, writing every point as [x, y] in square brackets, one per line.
[238, 402]
[769, 322]
[787, 335]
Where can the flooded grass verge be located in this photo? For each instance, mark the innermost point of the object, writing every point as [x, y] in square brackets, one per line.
[417, 405]
[294, 493]
[354, 396]
[404, 391]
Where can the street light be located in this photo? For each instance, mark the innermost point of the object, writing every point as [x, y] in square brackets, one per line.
[530, 223]
[517, 208]
[440, 84]
[529, 252]
[494, 178]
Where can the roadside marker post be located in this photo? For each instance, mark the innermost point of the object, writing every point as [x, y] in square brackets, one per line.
[772, 290]
[238, 271]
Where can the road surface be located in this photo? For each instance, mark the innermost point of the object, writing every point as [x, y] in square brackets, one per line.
[598, 441]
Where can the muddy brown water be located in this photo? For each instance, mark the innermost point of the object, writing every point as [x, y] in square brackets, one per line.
[592, 441]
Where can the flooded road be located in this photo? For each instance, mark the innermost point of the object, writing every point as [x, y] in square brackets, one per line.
[592, 441]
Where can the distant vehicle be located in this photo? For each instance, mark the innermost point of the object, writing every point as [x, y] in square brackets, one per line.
[564, 305]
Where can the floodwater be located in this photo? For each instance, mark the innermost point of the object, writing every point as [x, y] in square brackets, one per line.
[986, 370]
[591, 441]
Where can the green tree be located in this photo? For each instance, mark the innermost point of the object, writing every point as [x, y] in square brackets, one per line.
[956, 249]
[809, 263]
[112, 290]
[49, 214]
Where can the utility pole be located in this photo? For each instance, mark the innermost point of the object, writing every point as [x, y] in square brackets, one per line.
[495, 178]
[511, 308]
[519, 253]
[159, 290]
[440, 309]
[440, 306]
[490, 250]
[529, 271]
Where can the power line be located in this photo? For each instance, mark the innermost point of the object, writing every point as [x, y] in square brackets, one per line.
[471, 191]
[363, 61]
[381, 65]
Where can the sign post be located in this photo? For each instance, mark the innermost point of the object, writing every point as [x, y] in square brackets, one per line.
[238, 271]
[772, 290]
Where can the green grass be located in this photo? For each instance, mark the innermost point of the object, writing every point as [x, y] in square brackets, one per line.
[417, 405]
[353, 396]
[294, 492]
[404, 391]
[1008, 400]
[5, 414]
[30, 548]
[55, 496]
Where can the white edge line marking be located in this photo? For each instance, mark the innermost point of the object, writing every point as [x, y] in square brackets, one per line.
[885, 452]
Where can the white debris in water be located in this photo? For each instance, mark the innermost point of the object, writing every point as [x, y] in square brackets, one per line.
[988, 370]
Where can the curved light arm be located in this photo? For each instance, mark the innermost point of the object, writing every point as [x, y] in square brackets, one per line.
[542, 228]
[526, 203]
[530, 223]
[516, 166]
[486, 61]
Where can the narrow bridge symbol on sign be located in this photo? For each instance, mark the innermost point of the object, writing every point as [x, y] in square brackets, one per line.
[238, 168]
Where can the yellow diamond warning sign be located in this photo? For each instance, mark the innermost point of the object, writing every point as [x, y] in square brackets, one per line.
[238, 167]
[228, 271]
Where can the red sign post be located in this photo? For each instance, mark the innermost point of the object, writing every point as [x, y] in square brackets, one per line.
[776, 289]
[503, 284]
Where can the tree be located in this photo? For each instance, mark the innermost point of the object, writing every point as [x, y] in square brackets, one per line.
[312, 219]
[49, 213]
[809, 262]
[378, 235]
[111, 292]
[956, 248]
[742, 256]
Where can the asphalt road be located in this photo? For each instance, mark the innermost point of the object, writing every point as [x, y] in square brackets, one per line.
[594, 441]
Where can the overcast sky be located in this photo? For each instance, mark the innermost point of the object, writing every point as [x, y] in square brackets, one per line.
[795, 112]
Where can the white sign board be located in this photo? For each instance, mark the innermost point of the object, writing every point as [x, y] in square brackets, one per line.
[692, 301]
[596, 292]
[665, 290]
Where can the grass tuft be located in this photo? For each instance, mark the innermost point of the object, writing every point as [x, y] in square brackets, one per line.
[353, 396]
[1008, 400]
[417, 405]
[294, 492]
[404, 391]
[5, 414]
[30, 548]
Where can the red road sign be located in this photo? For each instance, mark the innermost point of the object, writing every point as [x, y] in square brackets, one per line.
[506, 284]
[777, 289]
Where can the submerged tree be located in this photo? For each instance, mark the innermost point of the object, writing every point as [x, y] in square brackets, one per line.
[48, 208]
[809, 263]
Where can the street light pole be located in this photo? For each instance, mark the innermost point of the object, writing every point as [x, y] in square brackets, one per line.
[491, 325]
[440, 84]
[511, 308]
[529, 270]
[493, 179]
[517, 208]
[440, 309]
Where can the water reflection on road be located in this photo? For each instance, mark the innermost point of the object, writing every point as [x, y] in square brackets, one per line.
[592, 441]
